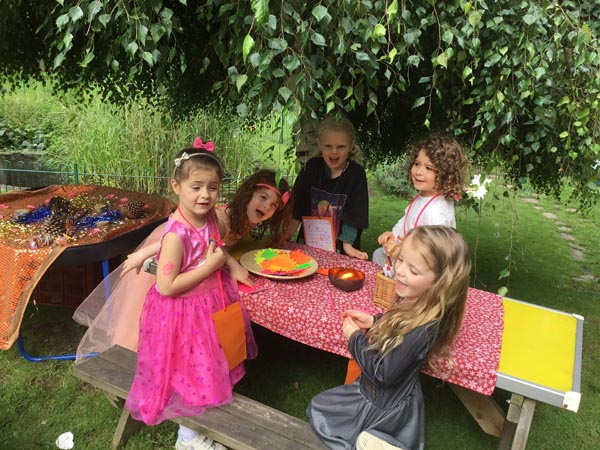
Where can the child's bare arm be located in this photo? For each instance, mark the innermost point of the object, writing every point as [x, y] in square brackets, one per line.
[238, 272]
[170, 280]
[136, 259]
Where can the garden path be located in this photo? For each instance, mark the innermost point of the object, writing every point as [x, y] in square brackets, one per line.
[564, 229]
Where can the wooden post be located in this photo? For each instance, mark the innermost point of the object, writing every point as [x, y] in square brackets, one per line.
[484, 409]
[125, 428]
[518, 423]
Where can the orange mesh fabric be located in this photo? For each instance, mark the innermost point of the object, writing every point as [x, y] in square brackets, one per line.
[21, 267]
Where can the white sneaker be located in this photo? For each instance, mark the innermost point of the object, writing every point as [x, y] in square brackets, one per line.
[200, 442]
[368, 441]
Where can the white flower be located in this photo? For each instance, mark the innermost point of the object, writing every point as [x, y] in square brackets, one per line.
[478, 189]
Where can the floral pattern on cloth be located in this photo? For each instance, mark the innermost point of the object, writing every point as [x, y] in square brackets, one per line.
[309, 310]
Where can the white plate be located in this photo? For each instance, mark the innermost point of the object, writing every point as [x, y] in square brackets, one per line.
[248, 261]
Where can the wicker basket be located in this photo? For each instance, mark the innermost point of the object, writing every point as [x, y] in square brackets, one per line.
[385, 294]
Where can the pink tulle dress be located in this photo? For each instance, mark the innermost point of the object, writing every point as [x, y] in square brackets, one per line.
[112, 310]
[181, 368]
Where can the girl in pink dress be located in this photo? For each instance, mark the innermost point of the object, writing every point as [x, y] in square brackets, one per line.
[261, 205]
[181, 367]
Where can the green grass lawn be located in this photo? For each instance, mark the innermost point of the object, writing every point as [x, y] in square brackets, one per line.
[39, 401]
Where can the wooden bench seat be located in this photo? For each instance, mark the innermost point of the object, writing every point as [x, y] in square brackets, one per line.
[243, 424]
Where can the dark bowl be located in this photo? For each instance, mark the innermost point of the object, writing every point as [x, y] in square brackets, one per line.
[346, 279]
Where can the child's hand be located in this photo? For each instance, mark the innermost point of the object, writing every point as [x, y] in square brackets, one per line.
[240, 273]
[385, 237]
[361, 319]
[354, 253]
[134, 261]
[389, 246]
[215, 255]
[349, 327]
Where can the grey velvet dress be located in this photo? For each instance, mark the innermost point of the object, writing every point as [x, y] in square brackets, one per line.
[386, 398]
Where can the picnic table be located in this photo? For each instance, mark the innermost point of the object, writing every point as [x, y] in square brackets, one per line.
[530, 351]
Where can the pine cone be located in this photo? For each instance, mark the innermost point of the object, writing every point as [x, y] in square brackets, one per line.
[133, 209]
[60, 205]
[71, 223]
[52, 228]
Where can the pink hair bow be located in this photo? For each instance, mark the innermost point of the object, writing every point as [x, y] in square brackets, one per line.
[208, 146]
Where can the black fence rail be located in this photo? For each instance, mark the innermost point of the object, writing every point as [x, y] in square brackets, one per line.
[21, 179]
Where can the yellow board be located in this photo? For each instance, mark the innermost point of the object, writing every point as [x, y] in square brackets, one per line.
[538, 345]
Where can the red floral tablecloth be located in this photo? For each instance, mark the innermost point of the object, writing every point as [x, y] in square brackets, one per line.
[308, 310]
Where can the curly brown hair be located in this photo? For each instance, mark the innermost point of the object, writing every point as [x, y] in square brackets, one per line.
[449, 161]
[275, 226]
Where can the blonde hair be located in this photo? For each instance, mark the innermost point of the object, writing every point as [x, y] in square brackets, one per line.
[343, 125]
[448, 160]
[442, 305]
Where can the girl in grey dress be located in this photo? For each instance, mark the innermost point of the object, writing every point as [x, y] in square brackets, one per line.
[385, 404]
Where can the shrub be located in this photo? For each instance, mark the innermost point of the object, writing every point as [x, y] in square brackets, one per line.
[391, 176]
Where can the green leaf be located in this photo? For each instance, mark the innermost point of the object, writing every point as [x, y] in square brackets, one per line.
[147, 56]
[474, 18]
[75, 13]
[504, 273]
[392, 10]
[442, 60]
[278, 44]
[466, 72]
[61, 21]
[502, 291]
[318, 39]
[330, 107]
[142, 33]
[89, 56]
[392, 54]
[260, 8]
[529, 19]
[378, 31]
[94, 8]
[414, 60]
[418, 102]
[104, 19]
[240, 81]
[285, 92]
[247, 46]
[539, 72]
[320, 12]
[58, 59]
[67, 40]
[291, 62]
[157, 31]
[132, 48]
